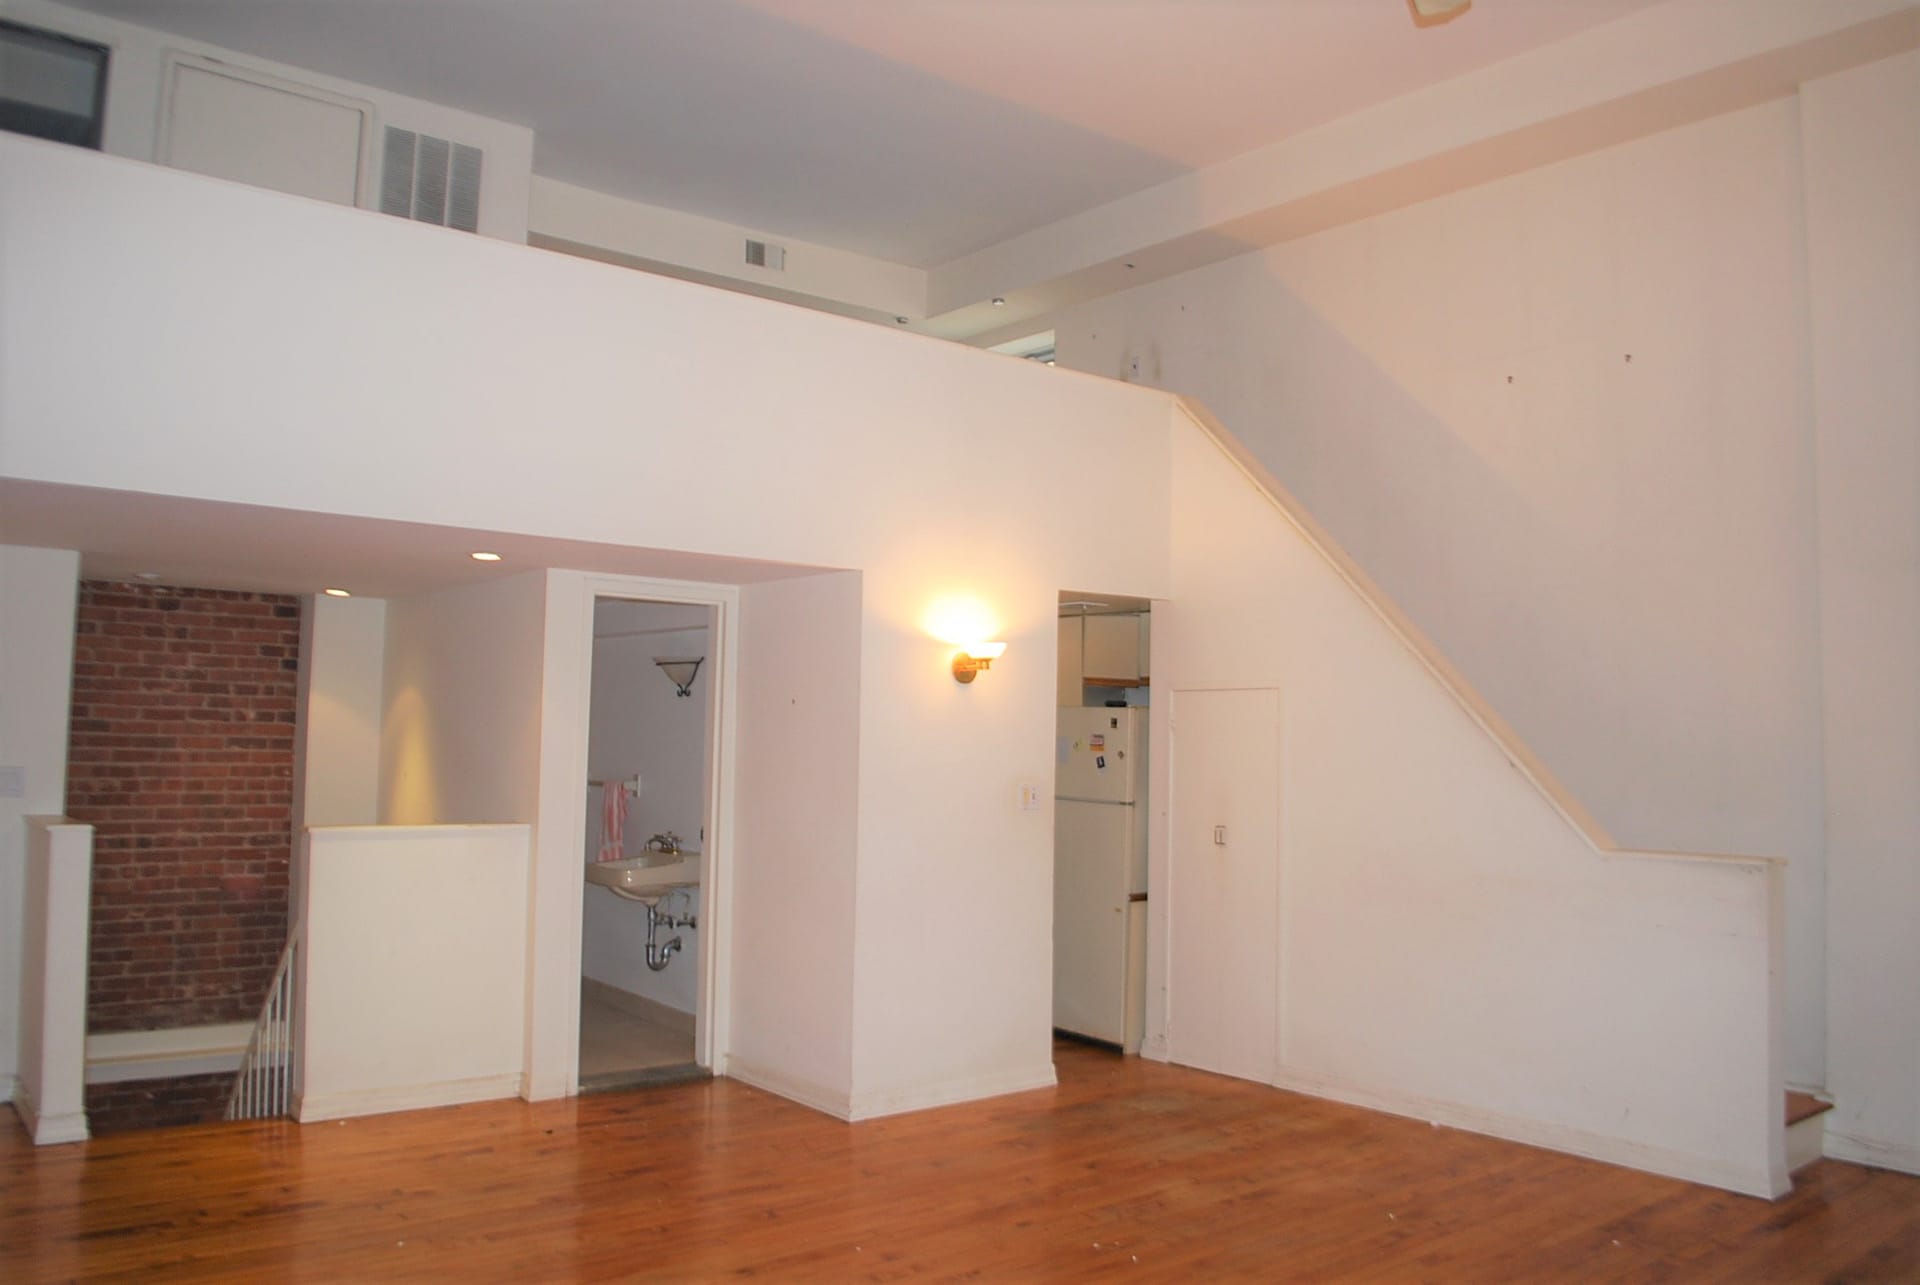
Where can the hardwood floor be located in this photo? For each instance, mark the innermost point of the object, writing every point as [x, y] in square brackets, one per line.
[1128, 1166]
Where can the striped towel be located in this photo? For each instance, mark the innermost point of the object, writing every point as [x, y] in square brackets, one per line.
[613, 821]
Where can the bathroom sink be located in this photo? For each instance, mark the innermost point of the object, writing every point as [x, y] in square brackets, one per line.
[647, 877]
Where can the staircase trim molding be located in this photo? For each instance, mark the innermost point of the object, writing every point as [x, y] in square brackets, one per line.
[1464, 694]
[1762, 1179]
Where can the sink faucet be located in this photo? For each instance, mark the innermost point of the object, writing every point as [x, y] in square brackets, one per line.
[668, 843]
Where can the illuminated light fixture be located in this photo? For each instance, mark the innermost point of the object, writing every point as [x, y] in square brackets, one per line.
[974, 657]
[680, 671]
[998, 302]
[337, 593]
[1431, 13]
[483, 556]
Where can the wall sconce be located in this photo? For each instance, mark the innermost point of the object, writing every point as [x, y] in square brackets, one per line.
[680, 671]
[975, 657]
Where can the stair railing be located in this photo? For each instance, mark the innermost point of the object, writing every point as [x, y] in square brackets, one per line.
[263, 1087]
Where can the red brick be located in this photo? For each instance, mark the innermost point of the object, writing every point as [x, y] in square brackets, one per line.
[181, 757]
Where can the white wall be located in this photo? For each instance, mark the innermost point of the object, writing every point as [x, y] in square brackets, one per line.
[37, 588]
[460, 742]
[801, 460]
[337, 744]
[1616, 553]
[796, 824]
[929, 469]
[411, 989]
[1861, 132]
[1450, 946]
[135, 83]
[639, 723]
[707, 249]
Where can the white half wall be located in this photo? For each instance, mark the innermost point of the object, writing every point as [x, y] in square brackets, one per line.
[797, 824]
[1861, 132]
[37, 592]
[1451, 946]
[411, 985]
[1562, 421]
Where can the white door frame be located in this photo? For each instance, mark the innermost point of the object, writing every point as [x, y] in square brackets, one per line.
[554, 998]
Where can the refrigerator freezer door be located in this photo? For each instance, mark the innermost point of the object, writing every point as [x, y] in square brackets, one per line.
[1092, 844]
[1101, 755]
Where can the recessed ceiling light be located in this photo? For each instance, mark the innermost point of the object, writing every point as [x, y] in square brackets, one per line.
[899, 321]
[484, 556]
[998, 302]
[337, 593]
[1129, 267]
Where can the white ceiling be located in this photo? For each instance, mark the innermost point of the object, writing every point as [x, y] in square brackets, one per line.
[910, 130]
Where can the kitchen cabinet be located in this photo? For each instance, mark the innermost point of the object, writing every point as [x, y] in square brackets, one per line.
[1114, 651]
[1072, 651]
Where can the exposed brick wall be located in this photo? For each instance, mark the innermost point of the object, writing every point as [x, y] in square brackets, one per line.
[181, 757]
[157, 1104]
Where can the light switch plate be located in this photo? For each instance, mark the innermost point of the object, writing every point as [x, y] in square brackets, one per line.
[13, 782]
[1029, 797]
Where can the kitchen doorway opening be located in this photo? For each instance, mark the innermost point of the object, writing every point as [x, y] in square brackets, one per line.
[1100, 819]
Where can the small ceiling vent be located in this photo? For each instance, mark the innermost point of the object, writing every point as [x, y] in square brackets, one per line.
[431, 180]
[762, 254]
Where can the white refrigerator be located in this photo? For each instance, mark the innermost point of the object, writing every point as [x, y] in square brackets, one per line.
[1100, 874]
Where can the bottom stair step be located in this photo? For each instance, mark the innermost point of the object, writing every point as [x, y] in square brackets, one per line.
[1806, 1130]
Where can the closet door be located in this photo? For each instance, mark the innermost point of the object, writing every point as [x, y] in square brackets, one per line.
[1223, 960]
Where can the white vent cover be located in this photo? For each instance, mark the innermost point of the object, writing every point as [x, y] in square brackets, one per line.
[430, 179]
[762, 254]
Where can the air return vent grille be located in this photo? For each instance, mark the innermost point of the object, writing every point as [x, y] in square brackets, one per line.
[762, 254]
[430, 179]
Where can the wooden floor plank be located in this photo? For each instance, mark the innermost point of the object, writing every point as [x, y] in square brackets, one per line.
[1161, 1172]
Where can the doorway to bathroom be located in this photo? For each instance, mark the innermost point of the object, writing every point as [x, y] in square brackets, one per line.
[650, 739]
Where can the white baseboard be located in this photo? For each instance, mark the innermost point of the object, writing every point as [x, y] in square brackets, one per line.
[872, 1104]
[1872, 1151]
[1767, 1182]
[835, 1103]
[48, 1130]
[311, 1107]
[8, 1083]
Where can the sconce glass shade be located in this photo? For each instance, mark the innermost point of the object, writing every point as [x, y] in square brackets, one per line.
[974, 657]
[680, 671]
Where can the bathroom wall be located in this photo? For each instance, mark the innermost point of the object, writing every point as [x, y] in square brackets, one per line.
[640, 723]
